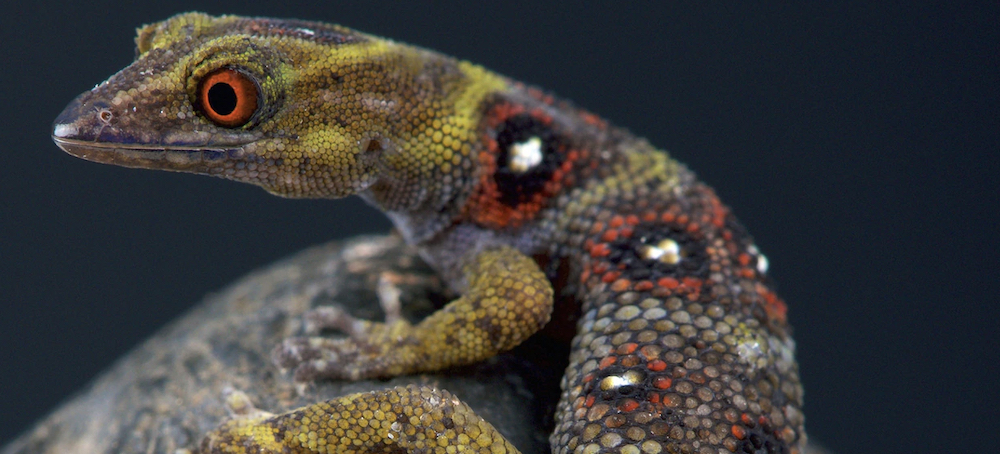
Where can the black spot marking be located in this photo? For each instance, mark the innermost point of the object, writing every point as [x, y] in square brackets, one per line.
[628, 252]
[760, 439]
[517, 187]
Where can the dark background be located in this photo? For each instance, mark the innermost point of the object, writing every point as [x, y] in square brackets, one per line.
[857, 143]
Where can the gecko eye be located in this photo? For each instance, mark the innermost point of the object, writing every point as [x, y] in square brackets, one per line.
[228, 97]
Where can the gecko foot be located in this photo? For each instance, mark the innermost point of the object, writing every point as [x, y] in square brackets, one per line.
[363, 355]
[507, 300]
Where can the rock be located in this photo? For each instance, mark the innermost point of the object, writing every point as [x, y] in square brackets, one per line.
[164, 395]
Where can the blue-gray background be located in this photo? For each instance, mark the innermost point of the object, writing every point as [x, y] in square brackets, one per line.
[858, 144]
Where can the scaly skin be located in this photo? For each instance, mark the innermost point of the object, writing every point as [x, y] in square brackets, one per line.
[512, 195]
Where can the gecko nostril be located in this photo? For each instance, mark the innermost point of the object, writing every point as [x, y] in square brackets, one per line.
[105, 115]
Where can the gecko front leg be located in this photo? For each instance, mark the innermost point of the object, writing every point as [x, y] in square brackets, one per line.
[415, 419]
[508, 299]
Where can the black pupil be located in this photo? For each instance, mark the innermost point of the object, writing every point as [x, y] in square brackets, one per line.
[222, 98]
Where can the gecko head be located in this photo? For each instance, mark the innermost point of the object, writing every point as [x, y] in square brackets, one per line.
[282, 104]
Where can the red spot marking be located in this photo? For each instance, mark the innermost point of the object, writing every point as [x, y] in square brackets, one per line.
[747, 421]
[683, 219]
[667, 217]
[632, 220]
[654, 398]
[693, 227]
[610, 276]
[747, 273]
[627, 348]
[584, 275]
[628, 406]
[608, 361]
[616, 222]
[609, 236]
[557, 176]
[600, 268]
[662, 382]
[656, 365]
[643, 286]
[600, 250]
[744, 259]
[621, 285]
[649, 216]
[648, 352]
[719, 212]
[626, 232]
[589, 402]
[738, 432]
[534, 92]
[598, 227]
[691, 282]
[668, 282]
[592, 120]
[774, 306]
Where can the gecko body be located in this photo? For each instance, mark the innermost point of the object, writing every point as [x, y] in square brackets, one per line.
[514, 197]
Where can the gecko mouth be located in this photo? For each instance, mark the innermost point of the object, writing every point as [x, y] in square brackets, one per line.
[93, 129]
[181, 159]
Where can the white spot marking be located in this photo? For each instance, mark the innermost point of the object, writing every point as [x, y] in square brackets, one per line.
[612, 382]
[525, 155]
[762, 264]
[666, 251]
[750, 350]
[616, 381]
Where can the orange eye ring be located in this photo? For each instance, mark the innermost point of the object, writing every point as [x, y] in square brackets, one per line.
[228, 97]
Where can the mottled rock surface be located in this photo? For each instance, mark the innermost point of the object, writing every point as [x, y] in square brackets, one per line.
[167, 392]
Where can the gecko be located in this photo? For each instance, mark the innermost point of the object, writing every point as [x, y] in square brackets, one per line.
[516, 198]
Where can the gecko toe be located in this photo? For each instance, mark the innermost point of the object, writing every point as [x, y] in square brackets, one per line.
[330, 317]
